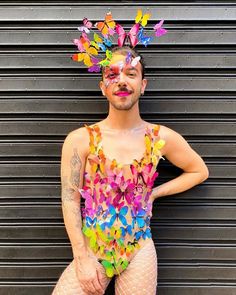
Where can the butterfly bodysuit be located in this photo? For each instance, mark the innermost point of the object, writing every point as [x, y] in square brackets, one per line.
[117, 209]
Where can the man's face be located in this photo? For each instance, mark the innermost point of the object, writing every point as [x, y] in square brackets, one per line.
[122, 82]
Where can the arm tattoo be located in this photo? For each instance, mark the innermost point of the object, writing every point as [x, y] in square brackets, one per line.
[75, 165]
[70, 187]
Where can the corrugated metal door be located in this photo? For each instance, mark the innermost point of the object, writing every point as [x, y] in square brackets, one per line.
[44, 95]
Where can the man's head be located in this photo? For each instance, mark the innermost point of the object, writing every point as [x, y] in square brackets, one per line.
[123, 80]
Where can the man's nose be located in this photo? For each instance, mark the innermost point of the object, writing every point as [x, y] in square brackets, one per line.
[122, 79]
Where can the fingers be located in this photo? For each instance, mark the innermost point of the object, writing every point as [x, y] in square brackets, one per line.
[92, 286]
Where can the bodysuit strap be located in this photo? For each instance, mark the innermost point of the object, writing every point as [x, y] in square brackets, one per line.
[153, 145]
[94, 138]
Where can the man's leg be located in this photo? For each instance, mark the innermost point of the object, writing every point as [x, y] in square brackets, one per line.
[140, 277]
[68, 283]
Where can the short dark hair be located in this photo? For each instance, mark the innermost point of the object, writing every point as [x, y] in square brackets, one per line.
[124, 51]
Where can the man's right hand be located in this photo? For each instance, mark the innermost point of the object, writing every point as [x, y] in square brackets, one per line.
[89, 275]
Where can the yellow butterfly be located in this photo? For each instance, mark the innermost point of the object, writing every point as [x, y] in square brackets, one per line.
[143, 19]
[86, 56]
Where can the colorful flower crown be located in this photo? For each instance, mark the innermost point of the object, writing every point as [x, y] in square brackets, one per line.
[102, 41]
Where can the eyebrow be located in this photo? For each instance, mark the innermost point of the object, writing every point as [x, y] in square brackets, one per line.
[132, 68]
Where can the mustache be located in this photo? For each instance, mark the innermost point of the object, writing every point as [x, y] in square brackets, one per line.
[123, 89]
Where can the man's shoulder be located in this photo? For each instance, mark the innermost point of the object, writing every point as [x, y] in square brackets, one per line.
[78, 137]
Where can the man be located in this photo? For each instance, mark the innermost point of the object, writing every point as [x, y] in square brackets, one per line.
[118, 140]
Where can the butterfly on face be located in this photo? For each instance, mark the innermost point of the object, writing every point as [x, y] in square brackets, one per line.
[131, 35]
[86, 26]
[106, 27]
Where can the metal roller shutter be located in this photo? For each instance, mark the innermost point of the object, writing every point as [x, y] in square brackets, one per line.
[44, 95]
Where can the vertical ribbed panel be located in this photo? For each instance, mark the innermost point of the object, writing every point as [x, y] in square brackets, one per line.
[44, 95]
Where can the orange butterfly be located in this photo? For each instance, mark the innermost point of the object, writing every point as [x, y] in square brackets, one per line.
[106, 27]
[86, 56]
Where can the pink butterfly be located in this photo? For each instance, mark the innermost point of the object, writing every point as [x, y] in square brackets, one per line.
[145, 174]
[89, 203]
[87, 25]
[132, 35]
[81, 41]
[159, 31]
[138, 202]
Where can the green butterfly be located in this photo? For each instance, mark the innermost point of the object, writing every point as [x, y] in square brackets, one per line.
[93, 235]
[110, 267]
[105, 62]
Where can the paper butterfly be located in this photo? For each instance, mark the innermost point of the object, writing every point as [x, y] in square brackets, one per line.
[120, 215]
[144, 234]
[106, 27]
[93, 234]
[143, 174]
[138, 217]
[81, 42]
[145, 40]
[85, 56]
[143, 19]
[159, 31]
[87, 25]
[89, 202]
[132, 61]
[125, 230]
[110, 267]
[132, 35]
[105, 62]
[91, 222]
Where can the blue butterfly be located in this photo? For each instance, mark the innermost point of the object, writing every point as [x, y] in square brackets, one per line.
[120, 215]
[127, 229]
[145, 40]
[91, 222]
[107, 42]
[138, 218]
[102, 46]
[144, 234]
[147, 220]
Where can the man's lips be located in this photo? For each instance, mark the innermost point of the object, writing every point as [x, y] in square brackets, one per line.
[123, 93]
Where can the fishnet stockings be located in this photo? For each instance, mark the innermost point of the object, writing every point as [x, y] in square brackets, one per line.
[68, 284]
[140, 277]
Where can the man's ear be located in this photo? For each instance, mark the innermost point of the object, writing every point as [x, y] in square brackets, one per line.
[144, 84]
[102, 87]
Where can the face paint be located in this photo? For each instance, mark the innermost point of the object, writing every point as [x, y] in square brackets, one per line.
[112, 73]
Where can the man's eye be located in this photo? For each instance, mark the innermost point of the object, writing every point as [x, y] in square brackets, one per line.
[131, 74]
[111, 76]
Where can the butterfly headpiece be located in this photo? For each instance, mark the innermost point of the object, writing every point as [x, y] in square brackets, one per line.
[95, 40]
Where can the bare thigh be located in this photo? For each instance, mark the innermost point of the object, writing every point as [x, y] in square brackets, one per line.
[68, 284]
[140, 277]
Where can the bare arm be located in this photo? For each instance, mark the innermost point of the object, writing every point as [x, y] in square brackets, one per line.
[179, 153]
[72, 167]
[72, 171]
